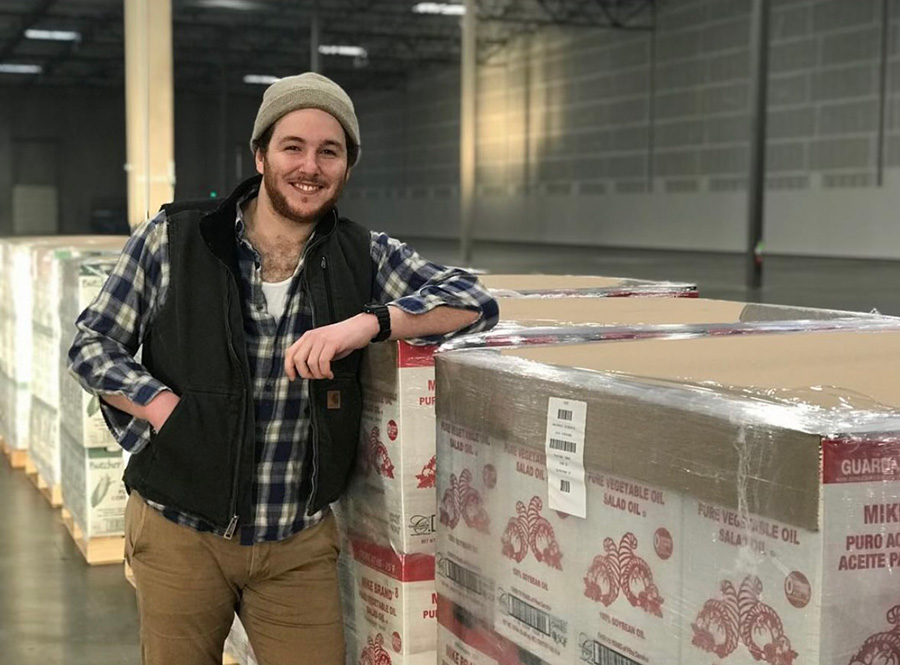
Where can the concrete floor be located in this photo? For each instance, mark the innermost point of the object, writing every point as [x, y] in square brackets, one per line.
[55, 610]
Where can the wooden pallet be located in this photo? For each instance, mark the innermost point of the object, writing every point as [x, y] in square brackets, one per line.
[30, 468]
[96, 551]
[16, 458]
[52, 494]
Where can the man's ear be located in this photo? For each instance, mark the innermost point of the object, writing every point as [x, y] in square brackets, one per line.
[347, 176]
[259, 157]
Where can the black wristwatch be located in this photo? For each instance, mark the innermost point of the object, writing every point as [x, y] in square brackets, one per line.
[384, 320]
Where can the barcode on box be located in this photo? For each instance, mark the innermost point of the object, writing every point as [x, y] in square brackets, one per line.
[529, 615]
[565, 486]
[565, 446]
[564, 414]
[597, 654]
[465, 578]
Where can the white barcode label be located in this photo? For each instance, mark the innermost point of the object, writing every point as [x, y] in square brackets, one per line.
[566, 422]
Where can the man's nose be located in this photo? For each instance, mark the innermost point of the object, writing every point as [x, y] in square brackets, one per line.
[309, 162]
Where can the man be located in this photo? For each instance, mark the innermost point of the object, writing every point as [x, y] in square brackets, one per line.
[243, 416]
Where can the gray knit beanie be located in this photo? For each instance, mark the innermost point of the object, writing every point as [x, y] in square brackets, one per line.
[308, 91]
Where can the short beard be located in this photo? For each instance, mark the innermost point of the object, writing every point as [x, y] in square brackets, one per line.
[281, 205]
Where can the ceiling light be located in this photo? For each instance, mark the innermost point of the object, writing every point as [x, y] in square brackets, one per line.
[263, 79]
[19, 69]
[441, 8]
[349, 51]
[54, 35]
[238, 5]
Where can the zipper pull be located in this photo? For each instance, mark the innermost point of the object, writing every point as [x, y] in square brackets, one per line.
[232, 527]
[324, 264]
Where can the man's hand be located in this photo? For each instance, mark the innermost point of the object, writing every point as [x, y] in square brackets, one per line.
[159, 409]
[310, 356]
[156, 412]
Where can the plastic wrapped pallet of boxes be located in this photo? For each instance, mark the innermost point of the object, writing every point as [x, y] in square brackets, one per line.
[49, 348]
[16, 312]
[91, 459]
[391, 502]
[591, 286]
[709, 500]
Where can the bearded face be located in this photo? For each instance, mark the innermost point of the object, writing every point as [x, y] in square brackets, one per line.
[304, 166]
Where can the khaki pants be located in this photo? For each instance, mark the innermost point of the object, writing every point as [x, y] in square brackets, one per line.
[190, 584]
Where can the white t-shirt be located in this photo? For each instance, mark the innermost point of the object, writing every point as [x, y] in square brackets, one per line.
[276, 297]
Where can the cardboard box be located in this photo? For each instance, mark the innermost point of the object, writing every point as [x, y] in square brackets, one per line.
[80, 415]
[390, 604]
[392, 500]
[44, 441]
[759, 477]
[92, 487]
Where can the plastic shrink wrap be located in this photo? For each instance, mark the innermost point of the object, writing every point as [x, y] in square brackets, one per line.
[726, 500]
[50, 344]
[20, 305]
[391, 503]
[587, 286]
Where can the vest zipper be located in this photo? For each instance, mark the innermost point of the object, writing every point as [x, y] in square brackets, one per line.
[232, 525]
[328, 290]
[314, 474]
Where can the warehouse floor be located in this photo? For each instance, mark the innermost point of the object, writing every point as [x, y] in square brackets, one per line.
[56, 610]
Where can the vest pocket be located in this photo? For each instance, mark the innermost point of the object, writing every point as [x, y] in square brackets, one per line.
[195, 455]
[339, 406]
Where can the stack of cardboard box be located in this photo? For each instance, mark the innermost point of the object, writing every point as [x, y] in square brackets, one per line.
[91, 460]
[387, 567]
[390, 510]
[723, 499]
[49, 347]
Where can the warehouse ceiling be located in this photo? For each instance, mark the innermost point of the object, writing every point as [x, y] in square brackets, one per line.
[218, 42]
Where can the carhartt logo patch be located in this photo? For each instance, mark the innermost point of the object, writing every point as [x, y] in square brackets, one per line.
[334, 399]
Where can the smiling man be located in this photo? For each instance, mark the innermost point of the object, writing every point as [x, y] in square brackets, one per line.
[243, 415]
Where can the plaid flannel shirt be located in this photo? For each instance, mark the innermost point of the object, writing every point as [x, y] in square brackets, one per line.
[111, 329]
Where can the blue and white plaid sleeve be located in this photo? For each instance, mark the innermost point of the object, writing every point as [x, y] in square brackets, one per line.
[112, 328]
[406, 280]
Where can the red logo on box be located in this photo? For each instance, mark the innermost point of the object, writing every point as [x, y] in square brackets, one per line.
[461, 500]
[663, 543]
[797, 589]
[393, 430]
[427, 476]
[740, 616]
[374, 456]
[621, 569]
[530, 530]
[489, 476]
[882, 647]
[860, 461]
[374, 652]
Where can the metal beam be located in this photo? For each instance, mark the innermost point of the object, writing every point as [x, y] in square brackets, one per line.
[28, 21]
[467, 130]
[883, 86]
[756, 179]
[314, 34]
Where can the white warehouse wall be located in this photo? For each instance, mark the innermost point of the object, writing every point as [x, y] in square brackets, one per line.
[576, 146]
